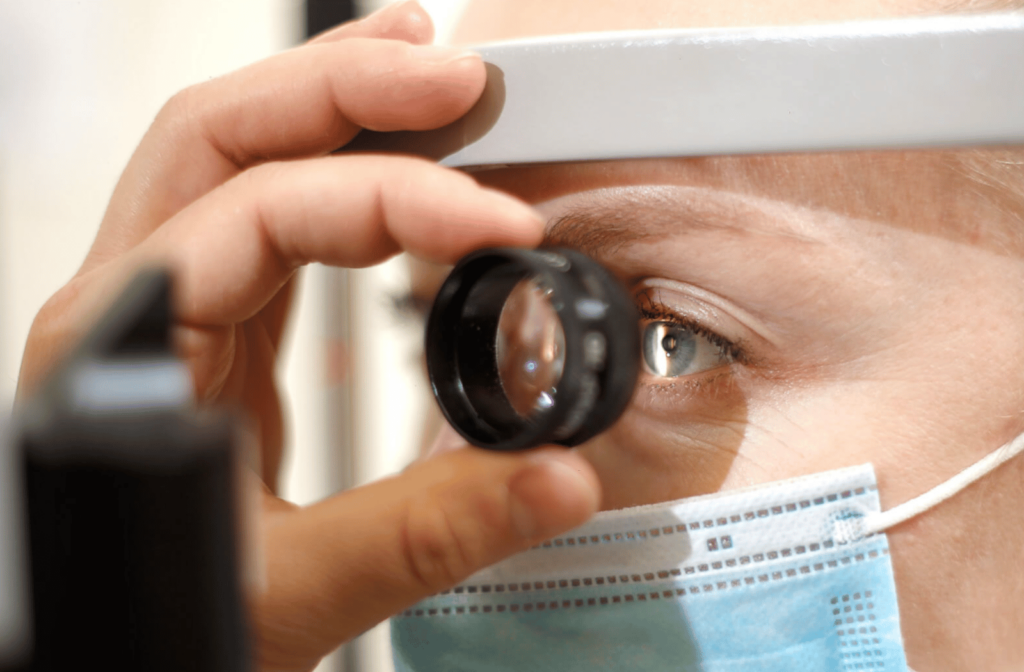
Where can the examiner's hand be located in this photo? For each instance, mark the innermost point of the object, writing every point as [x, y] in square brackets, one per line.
[234, 189]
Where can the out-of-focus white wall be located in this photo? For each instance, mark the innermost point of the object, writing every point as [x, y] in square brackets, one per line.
[79, 84]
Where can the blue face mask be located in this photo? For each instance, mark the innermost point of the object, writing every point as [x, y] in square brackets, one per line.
[786, 577]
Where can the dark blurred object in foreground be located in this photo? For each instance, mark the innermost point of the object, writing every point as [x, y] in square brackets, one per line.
[133, 505]
[323, 15]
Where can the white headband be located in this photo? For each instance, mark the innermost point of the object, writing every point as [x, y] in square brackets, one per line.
[906, 83]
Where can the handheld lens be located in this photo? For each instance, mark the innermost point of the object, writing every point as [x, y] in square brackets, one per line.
[527, 347]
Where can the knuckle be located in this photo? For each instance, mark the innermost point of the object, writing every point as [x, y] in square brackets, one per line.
[179, 110]
[189, 113]
[415, 27]
[435, 552]
[405, 179]
[257, 179]
[260, 187]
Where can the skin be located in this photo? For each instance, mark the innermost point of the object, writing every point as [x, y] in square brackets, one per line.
[874, 296]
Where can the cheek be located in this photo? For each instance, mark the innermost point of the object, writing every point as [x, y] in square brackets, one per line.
[670, 444]
[813, 428]
[742, 433]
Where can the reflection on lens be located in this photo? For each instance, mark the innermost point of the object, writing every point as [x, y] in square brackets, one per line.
[530, 348]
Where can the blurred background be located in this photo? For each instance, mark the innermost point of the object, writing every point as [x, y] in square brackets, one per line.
[79, 84]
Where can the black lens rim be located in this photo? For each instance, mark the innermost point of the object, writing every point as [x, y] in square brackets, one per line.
[461, 358]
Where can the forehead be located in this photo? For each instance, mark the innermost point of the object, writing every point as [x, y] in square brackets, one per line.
[919, 191]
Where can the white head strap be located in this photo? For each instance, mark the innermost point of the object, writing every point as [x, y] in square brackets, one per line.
[906, 83]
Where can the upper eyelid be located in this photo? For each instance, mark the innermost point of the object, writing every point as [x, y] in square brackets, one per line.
[714, 304]
[653, 310]
[759, 345]
[662, 314]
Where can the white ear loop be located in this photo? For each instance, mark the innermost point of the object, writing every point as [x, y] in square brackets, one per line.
[852, 529]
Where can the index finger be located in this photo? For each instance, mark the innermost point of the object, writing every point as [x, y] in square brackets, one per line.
[234, 248]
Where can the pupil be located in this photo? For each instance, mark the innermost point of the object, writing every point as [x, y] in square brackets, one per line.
[669, 344]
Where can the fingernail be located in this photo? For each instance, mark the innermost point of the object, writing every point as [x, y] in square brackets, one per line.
[434, 53]
[551, 495]
[513, 207]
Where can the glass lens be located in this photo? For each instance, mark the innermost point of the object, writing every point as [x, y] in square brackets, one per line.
[530, 348]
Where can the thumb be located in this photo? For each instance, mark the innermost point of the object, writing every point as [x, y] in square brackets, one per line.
[339, 567]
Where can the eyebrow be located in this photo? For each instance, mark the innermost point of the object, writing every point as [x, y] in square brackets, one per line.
[594, 234]
[604, 227]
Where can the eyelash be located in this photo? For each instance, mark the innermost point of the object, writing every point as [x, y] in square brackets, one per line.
[652, 311]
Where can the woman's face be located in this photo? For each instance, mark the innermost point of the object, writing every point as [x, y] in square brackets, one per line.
[809, 312]
[801, 312]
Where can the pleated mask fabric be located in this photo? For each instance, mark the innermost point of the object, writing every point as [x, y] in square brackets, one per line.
[768, 578]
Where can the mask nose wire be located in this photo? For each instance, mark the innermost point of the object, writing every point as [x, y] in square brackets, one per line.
[879, 522]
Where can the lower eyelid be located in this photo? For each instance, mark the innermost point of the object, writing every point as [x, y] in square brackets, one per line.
[692, 383]
[673, 398]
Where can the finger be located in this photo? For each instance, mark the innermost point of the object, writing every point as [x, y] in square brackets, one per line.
[339, 567]
[305, 102]
[235, 248]
[406, 21]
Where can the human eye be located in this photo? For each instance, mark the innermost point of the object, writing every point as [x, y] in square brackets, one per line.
[674, 347]
[683, 340]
